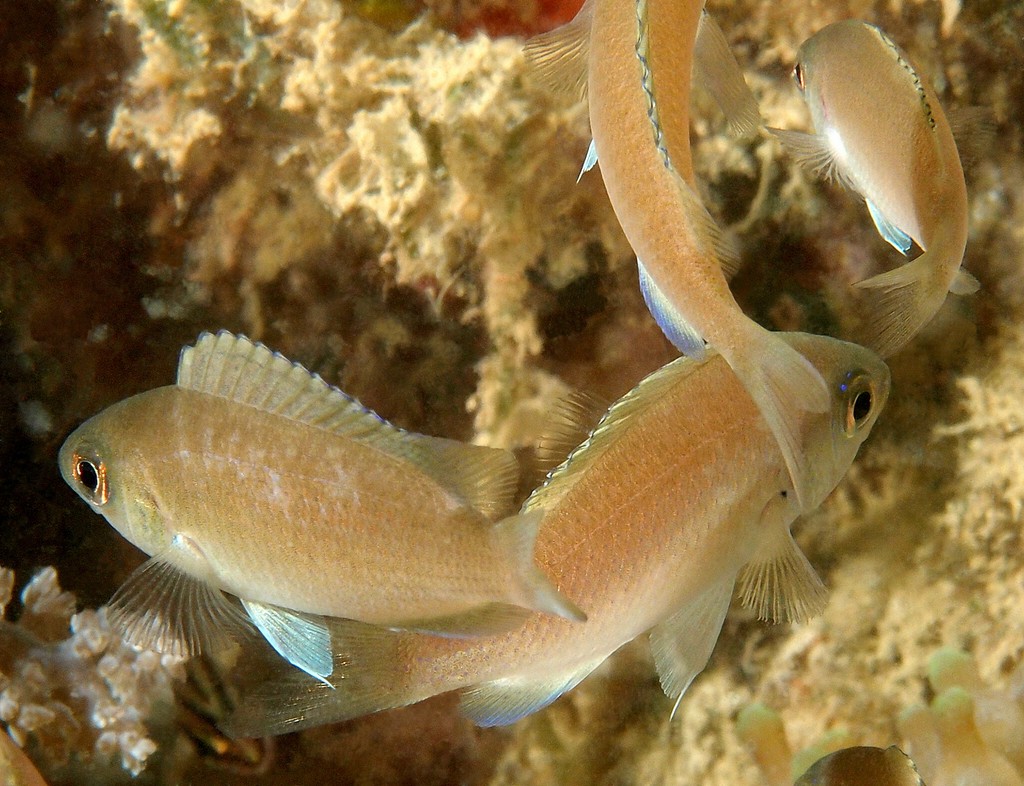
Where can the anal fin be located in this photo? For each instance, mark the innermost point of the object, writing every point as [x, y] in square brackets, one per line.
[504, 701]
[160, 607]
[682, 644]
[301, 639]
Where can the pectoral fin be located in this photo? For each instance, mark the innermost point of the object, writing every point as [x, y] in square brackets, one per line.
[301, 639]
[681, 333]
[161, 608]
[813, 153]
[779, 583]
[682, 644]
[895, 236]
[504, 701]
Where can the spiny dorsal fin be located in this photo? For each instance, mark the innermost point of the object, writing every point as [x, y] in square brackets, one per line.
[649, 391]
[235, 368]
[560, 58]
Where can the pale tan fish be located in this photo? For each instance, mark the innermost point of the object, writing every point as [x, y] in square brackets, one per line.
[254, 477]
[679, 490]
[862, 766]
[880, 130]
[630, 55]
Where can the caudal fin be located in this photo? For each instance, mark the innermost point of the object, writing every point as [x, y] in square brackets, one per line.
[785, 386]
[900, 303]
[516, 536]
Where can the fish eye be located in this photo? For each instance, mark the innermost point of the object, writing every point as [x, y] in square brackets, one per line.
[91, 476]
[798, 75]
[860, 403]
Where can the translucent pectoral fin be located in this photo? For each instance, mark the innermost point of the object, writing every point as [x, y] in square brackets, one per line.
[301, 639]
[504, 701]
[779, 583]
[681, 333]
[895, 236]
[716, 70]
[164, 609]
[682, 644]
[814, 154]
[964, 283]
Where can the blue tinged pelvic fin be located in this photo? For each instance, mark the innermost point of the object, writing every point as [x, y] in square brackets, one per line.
[895, 236]
[301, 639]
[589, 161]
[676, 329]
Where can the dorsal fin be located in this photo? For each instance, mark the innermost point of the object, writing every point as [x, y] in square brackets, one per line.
[559, 58]
[246, 372]
[647, 392]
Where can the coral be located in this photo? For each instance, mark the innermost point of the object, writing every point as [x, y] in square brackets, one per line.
[82, 694]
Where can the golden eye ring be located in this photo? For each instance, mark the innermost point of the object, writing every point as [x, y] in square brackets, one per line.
[860, 403]
[91, 475]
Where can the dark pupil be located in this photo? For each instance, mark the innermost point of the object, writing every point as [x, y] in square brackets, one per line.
[88, 476]
[861, 406]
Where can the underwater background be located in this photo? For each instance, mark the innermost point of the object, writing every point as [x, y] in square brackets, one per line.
[391, 201]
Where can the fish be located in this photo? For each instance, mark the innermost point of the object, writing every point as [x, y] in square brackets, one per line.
[626, 59]
[252, 476]
[862, 766]
[16, 769]
[676, 494]
[880, 131]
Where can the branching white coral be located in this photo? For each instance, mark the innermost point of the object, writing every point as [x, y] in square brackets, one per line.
[70, 688]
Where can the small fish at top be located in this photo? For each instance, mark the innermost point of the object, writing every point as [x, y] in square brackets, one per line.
[879, 130]
[632, 60]
[676, 493]
[862, 766]
[254, 477]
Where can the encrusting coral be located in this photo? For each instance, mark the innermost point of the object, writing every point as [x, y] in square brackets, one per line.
[71, 693]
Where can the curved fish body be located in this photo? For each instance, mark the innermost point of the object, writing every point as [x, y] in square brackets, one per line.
[647, 524]
[253, 477]
[630, 55]
[880, 130]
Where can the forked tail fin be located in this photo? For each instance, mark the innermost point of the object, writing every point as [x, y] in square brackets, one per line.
[904, 300]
